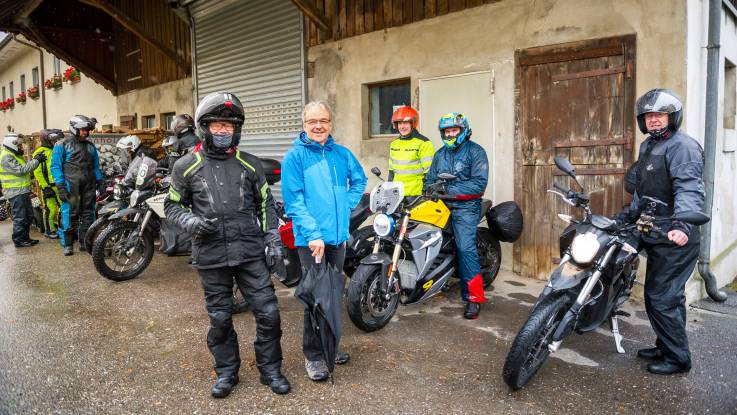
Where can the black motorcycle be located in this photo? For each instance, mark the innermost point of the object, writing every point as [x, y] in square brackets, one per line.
[599, 260]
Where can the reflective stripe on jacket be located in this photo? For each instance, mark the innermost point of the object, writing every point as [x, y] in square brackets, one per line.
[410, 159]
[15, 173]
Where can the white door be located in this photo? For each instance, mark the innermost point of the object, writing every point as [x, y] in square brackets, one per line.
[469, 94]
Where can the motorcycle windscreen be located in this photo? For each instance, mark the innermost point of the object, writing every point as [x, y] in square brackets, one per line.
[386, 197]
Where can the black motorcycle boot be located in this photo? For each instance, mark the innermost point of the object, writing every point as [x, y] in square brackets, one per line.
[472, 310]
[665, 367]
[22, 244]
[223, 386]
[276, 381]
[68, 250]
[32, 241]
[342, 357]
[653, 353]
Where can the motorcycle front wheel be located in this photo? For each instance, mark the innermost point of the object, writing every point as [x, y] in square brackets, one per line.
[530, 348]
[110, 257]
[367, 307]
[94, 231]
[490, 255]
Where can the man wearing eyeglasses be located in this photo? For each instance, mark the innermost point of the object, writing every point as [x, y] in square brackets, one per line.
[321, 182]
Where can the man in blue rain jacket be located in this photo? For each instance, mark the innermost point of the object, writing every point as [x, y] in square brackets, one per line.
[321, 182]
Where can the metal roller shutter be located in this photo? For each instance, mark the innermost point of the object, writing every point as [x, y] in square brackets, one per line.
[255, 50]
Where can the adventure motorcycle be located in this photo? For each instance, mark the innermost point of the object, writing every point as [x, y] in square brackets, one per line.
[123, 250]
[414, 260]
[599, 260]
[113, 204]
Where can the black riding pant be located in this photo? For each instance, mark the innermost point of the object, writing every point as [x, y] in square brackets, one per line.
[22, 217]
[77, 213]
[255, 284]
[335, 256]
[669, 266]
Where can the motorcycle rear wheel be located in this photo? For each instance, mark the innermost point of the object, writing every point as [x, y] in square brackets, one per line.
[490, 255]
[109, 247]
[368, 310]
[530, 348]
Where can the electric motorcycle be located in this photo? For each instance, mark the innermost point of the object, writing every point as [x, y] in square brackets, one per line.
[413, 255]
[599, 261]
[123, 250]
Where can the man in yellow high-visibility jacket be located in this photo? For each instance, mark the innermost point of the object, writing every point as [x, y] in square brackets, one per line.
[50, 202]
[410, 154]
[15, 175]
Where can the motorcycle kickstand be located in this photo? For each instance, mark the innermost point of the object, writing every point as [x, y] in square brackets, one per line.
[614, 324]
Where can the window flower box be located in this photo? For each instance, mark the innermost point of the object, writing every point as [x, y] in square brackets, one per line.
[21, 98]
[53, 83]
[33, 92]
[72, 75]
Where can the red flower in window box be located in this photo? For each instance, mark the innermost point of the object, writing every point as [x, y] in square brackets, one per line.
[21, 98]
[53, 83]
[33, 92]
[8, 104]
[72, 75]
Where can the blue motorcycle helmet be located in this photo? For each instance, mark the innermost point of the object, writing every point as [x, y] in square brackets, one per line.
[454, 119]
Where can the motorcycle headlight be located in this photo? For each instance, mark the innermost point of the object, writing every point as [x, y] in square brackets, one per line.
[584, 248]
[383, 225]
[134, 197]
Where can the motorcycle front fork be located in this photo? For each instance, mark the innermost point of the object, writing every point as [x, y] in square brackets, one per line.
[391, 280]
[138, 234]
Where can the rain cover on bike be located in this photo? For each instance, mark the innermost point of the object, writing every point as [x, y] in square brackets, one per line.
[505, 220]
[386, 196]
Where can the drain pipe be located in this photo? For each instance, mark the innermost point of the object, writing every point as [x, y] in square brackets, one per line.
[710, 138]
[41, 88]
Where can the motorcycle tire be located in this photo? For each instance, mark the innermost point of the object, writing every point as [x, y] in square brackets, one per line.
[94, 231]
[366, 309]
[490, 255]
[530, 348]
[362, 246]
[114, 234]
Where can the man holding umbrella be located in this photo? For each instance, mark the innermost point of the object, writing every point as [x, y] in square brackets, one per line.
[321, 182]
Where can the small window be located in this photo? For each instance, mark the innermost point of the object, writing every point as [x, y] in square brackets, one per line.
[4, 96]
[128, 121]
[148, 121]
[34, 76]
[57, 66]
[23, 83]
[12, 89]
[166, 119]
[384, 98]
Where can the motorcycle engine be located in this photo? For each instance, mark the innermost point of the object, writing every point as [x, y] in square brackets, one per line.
[407, 274]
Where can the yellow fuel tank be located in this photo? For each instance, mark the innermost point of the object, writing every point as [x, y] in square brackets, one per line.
[434, 213]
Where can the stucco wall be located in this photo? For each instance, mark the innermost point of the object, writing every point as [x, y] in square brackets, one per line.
[484, 38]
[724, 212]
[85, 97]
[173, 96]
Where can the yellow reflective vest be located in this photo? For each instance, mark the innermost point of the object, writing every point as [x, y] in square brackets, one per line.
[15, 173]
[43, 172]
[410, 159]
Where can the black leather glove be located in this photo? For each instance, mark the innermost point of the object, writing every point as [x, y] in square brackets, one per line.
[63, 193]
[41, 157]
[49, 193]
[274, 248]
[200, 227]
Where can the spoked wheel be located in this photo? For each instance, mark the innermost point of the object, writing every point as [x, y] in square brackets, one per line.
[530, 348]
[111, 258]
[368, 309]
[490, 255]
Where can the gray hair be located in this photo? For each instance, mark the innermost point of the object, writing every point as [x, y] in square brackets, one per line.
[317, 104]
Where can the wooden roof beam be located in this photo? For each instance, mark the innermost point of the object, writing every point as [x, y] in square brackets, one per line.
[41, 39]
[312, 13]
[137, 30]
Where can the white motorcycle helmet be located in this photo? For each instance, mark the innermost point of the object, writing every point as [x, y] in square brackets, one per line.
[168, 144]
[129, 142]
[11, 141]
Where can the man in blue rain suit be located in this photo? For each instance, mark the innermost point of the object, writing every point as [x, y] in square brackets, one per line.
[468, 162]
[75, 166]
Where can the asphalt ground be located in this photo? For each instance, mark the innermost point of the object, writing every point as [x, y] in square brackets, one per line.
[73, 342]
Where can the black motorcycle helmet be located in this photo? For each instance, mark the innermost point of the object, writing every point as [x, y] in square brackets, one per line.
[181, 124]
[81, 122]
[659, 100]
[219, 106]
[49, 137]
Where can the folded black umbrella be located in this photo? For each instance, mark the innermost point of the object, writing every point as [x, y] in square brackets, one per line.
[320, 291]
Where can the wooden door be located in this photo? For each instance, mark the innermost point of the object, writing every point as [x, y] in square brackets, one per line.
[577, 101]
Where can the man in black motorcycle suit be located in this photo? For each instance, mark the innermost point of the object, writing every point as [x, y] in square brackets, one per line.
[233, 222]
[669, 168]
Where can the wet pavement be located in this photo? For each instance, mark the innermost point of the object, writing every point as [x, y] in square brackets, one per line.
[73, 342]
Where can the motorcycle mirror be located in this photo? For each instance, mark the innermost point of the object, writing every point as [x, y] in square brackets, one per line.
[693, 217]
[376, 172]
[447, 176]
[272, 170]
[565, 166]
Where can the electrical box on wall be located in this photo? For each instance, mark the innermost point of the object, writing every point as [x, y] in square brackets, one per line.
[730, 140]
